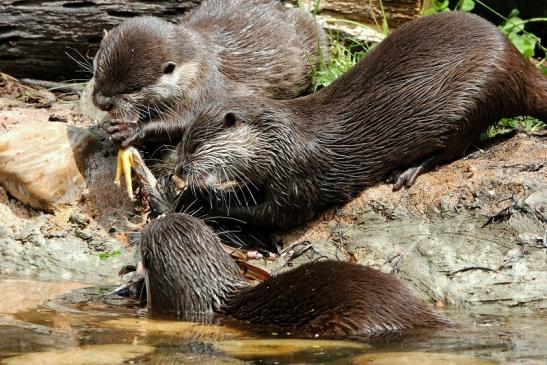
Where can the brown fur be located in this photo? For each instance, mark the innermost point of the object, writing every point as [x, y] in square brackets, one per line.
[420, 98]
[188, 273]
[236, 47]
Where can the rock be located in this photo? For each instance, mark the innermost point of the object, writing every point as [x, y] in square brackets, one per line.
[5, 232]
[88, 109]
[537, 203]
[62, 259]
[44, 164]
[83, 234]
[80, 219]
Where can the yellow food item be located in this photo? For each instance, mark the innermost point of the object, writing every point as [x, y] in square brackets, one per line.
[125, 163]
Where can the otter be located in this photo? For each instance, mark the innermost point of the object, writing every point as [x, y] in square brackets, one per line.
[419, 99]
[150, 69]
[188, 274]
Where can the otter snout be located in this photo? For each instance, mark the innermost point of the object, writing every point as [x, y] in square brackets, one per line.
[102, 102]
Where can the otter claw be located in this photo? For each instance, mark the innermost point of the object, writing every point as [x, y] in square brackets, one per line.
[407, 178]
[125, 163]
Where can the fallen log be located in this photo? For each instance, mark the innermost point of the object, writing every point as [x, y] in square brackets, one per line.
[36, 35]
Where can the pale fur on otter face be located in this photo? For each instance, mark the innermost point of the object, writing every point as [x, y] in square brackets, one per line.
[139, 69]
[223, 147]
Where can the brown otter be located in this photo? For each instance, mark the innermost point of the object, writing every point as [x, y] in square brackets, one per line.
[420, 98]
[150, 69]
[188, 273]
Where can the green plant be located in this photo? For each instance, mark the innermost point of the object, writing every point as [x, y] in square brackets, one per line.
[344, 55]
[513, 28]
[506, 125]
[106, 255]
[437, 6]
[465, 5]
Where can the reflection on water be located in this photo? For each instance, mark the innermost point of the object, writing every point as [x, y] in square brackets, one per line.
[38, 325]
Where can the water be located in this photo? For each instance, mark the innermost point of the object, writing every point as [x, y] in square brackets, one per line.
[63, 323]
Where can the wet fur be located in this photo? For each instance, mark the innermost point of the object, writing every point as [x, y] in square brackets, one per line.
[422, 96]
[188, 273]
[237, 47]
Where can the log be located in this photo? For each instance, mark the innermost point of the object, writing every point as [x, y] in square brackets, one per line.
[35, 35]
[369, 12]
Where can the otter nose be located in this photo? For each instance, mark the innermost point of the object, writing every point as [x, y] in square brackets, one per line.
[104, 103]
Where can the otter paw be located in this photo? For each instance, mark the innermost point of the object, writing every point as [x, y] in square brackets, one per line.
[135, 137]
[406, 178]
[121, 137]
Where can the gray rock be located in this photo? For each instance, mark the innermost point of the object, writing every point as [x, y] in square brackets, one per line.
[61, 259]
[537, 203]
[80, 219]
[85, 235]
[5, 232]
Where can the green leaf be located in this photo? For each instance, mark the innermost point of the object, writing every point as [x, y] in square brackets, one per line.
[525, 43]
[514, 24]
[106, 255]
[467, 5]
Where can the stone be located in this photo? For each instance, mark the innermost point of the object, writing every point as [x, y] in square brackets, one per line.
[80, 219]
[537, 203]
[44, 164]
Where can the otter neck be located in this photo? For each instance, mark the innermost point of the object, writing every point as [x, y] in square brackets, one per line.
[203, 277]
[198, 73]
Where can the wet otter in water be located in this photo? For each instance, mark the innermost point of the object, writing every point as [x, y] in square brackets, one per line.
[419, 99]
[188, 273]
[150, 69]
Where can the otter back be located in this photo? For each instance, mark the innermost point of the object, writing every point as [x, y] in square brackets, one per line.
[419, 99]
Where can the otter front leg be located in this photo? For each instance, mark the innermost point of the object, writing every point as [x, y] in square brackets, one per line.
[155, 132]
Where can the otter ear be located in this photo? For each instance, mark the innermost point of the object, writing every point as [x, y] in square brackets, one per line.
[105, 33]
[169, 67]
[230, 120]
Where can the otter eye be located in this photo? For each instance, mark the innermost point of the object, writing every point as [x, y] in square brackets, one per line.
[230, 120]
[169, 67]
[193, 148]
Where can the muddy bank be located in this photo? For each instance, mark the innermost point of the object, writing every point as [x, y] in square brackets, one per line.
[434, 236]
[471, 233]
[86, 240]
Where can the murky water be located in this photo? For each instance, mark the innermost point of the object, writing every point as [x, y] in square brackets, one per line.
[63, 323]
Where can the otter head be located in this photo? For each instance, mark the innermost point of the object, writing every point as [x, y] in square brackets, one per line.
[187, 271]
[142, 66]
[230, 145]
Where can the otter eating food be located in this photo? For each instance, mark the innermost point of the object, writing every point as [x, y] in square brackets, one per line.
[188, 274]
[420, 98]
[150, 69]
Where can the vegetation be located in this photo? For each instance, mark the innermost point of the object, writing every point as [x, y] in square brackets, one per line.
[106, 255]
[347, 52]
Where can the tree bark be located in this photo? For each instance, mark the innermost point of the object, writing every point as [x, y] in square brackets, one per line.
[36, 35]
[370, 11]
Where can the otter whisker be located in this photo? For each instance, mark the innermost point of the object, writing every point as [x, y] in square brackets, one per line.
[84, 62]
